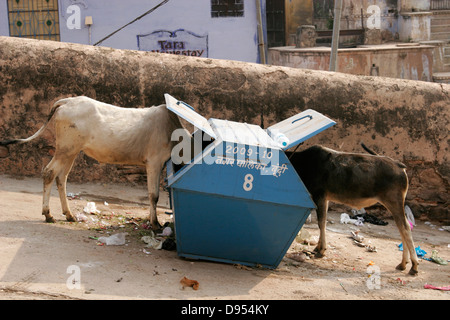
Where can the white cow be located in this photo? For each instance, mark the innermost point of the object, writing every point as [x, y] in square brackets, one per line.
[108, 134]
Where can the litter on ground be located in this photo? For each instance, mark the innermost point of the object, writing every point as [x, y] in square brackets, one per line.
[345, 219]
[152, 242]
[185, 282]
[429, 286]
[117, 239]
[359, 241]
[419, 252]
[162, 241]
[91, 208]
[435, 258]
[359, 217]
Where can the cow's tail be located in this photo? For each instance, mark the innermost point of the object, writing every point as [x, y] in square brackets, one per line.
[368, 150]
[39, 132]
[399, 164]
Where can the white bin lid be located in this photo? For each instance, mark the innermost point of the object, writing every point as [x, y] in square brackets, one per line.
[185, 111]
[296, 129]
[242, 133]
[300, 127]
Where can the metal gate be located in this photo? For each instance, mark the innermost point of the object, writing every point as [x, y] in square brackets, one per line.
[37, 19]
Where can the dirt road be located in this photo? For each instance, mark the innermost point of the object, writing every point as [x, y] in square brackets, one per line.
[42, 261]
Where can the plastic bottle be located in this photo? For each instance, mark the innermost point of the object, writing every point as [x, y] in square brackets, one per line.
[280, 139]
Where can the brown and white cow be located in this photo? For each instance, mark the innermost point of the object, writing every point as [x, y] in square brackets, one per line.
[109, 134]
[357, 180]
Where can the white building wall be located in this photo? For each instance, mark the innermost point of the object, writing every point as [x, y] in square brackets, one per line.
[232, 38]
[4, 25]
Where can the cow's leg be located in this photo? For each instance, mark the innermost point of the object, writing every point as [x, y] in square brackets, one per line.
[153, 174]
[61, 181]
[48, 174]
[398, 212]
[322, 208]
[58, 168]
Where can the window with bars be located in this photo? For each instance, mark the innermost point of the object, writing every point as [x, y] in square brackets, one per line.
[37, 19]
[227, 8]
[440, 4]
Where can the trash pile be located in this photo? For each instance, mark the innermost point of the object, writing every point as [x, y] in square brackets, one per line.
[421, 254]
[95, 220]
[359, 217]
[164, 240]
[89, 209]
[303, 238]
[359, 241]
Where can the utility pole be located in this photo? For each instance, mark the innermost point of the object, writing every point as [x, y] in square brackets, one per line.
[261, 45]
[336, 29]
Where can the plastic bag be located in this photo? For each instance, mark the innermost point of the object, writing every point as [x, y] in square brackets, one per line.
[90, 208]
[429, 286]
[117, 239]
[167, 232]
[302, 236]
[410, 217]
[80, 217]
[345, 219]
[152, 242]
[419, 251]
[435, 258]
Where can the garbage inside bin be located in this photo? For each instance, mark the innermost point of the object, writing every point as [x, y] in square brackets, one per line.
[240, 200]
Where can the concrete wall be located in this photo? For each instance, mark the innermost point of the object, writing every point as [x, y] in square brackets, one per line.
[414, 5]
[403, 62]
[384, 17]
[191, 15]
[404, 20]
[414, 26]
[406, 120]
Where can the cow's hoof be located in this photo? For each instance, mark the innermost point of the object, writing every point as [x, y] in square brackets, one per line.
[50, 220]
[401, 267]
[413, 272]
[319, 253]
[71, 219]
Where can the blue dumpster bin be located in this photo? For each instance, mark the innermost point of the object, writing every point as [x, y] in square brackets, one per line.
[240, 200]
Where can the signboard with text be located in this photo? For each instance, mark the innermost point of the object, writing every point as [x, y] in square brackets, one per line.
[179, 42]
